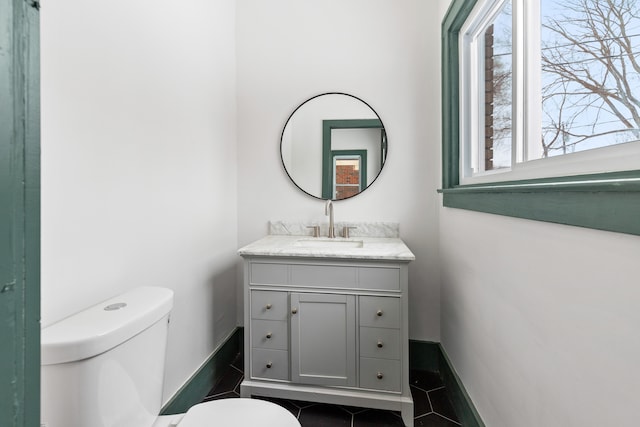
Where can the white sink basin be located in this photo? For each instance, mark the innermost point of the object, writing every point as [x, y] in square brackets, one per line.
[328, 243]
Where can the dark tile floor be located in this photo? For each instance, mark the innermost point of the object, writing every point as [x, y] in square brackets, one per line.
[432, 407]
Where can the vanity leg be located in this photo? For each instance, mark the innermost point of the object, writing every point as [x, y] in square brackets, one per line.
[245, 390]
[407, 414]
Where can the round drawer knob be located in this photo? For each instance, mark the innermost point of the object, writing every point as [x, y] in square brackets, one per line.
[294, 311]
[380, 344]
[269, 365]
[379, 376]
[268, 306]
[269, 335]
[379, 312]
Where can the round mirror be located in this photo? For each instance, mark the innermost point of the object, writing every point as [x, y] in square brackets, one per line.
[333, 146]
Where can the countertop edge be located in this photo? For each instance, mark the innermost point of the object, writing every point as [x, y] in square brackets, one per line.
[272, 246]
[341, 257]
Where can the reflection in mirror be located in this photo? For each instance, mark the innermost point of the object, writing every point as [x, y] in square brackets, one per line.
[333, 146]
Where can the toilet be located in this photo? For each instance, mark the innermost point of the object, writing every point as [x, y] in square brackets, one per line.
[104, 367]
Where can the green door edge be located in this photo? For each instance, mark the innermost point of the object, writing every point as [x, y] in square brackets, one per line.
[20, 212]
[327, 159]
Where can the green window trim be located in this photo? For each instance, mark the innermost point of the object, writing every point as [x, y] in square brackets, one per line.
[327, 157]
[605, 201]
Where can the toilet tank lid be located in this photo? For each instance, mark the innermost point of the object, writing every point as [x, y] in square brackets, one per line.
[105, 325]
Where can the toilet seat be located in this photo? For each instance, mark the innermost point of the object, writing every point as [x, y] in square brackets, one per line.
[238, 413]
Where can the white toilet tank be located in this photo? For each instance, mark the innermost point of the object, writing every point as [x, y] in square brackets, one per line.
[104, 366]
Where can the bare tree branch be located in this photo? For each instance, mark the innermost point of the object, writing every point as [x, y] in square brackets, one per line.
[592, 69]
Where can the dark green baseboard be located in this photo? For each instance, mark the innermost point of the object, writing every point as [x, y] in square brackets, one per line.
[431, 357]
[423, 356]
[197, 387]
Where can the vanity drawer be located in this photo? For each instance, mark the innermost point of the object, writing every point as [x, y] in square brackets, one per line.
[263, 273]
[380, 374]
[383, 278]
[269, 334]
[332, 276]
[380, 312]
[269, 305]
[270, 364]
[345, 276]
[381, 343]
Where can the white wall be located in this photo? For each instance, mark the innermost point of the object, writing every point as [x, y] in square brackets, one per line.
[541, 320]
[139, 163]
[386, 53]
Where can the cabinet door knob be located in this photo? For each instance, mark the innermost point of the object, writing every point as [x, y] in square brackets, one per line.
[379, 312]
[269, 365]
[268, 306]
[379, 376]
[380, 344]
[268, 335]
[294, 311]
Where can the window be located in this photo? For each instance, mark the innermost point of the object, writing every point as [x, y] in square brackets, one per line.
[549, 78]
[488, 90]
[541, 110]
[349, 172]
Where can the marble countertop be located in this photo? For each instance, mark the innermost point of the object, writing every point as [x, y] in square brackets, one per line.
[371, 248]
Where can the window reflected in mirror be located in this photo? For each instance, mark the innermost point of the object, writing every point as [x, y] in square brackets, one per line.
[347, 177]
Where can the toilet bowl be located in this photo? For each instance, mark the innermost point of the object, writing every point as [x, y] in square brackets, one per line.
[104, 367]
[232, 412]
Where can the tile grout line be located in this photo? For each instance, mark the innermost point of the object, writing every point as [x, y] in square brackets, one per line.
[238, 383]
[433, 409]
[430, 390]
[241, 371]
[429, 400]
[446, 418]
[424, 415]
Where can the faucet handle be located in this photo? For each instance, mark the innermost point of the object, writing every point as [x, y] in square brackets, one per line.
[316, 230]
[345, 231]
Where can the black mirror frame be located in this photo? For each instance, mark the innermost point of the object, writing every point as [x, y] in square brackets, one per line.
[384, 147]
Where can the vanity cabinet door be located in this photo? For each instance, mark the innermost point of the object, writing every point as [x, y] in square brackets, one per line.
[323, 345]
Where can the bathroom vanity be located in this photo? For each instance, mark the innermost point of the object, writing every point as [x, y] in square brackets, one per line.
[326, 321]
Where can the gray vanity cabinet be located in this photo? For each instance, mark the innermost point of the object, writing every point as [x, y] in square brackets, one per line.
[327, 330]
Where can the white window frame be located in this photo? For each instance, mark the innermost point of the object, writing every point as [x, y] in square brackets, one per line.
[526, 117]
[335, 173]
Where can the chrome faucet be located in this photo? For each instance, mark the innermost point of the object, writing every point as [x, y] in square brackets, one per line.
[328, 210]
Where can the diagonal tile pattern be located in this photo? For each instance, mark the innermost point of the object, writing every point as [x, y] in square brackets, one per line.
[432, 407]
